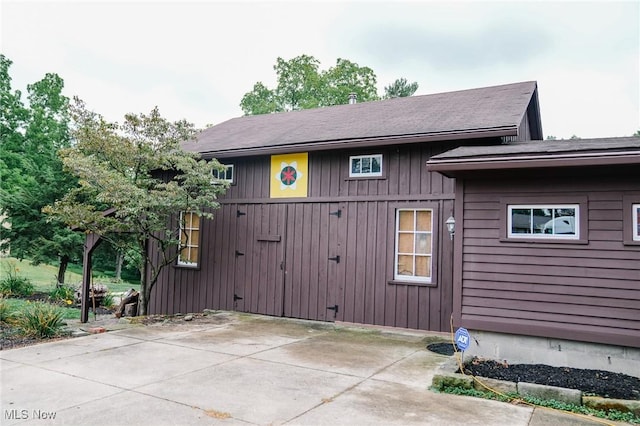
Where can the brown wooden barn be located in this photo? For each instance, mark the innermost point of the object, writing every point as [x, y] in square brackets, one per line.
[332, 213]
[547, 242]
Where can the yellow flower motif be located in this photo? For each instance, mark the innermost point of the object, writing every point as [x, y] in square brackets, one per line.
[69, 302]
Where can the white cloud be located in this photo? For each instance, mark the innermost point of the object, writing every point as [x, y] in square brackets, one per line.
[195, 60]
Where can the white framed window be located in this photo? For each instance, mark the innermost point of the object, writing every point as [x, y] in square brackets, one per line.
[365, 165]
[189, 239]
[414, 245]
[552, 221]
[635, 214]
[226, 174]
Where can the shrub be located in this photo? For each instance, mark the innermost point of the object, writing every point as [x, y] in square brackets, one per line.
[108, 300]
[5, 310]
[41, 320]
[15, 285]
[64, 294]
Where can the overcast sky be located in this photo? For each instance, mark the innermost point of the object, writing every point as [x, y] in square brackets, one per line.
[196, 60]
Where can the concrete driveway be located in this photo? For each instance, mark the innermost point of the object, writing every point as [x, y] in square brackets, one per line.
[234, 368]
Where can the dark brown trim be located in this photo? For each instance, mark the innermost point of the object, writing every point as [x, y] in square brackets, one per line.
[609, 337]
[450, 167]
[533, 200]
[346, 198]
[510, 130]
[628, 200]
[458, 245]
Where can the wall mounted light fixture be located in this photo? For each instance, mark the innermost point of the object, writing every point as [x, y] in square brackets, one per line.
[451, 226]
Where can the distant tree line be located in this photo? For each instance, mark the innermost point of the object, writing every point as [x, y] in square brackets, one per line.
[301, 84]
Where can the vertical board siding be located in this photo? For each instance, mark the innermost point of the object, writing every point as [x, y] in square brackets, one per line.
[309, 283]
[589, 290]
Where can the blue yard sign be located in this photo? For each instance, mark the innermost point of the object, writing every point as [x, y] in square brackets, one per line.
[462, 339]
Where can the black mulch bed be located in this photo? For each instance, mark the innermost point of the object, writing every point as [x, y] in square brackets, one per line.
[443, 348]
[591, 382]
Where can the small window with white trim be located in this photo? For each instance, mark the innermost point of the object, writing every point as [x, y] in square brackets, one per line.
[189, 239]
[226, 174]
[414, 248]
[365, 165]
[544, 221]
[635, 214]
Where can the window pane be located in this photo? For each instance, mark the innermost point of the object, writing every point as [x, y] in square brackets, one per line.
[375, 164]
[563, 222]
[423, 266]
[405, 265]
[423, 220]
[423, 243]
[193, 255]
[355, 165]
[521, 221]
[405, 243]
[366, 165]
[406, 220]
[540, 219]
[194, 238]
[637, 222]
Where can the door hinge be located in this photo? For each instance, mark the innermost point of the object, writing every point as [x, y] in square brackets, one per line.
[236, 297]
[333, 308]
[337, 213]
[239, 253]
[239, 213]
[335, 259]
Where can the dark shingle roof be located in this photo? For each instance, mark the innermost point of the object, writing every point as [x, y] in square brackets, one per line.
[489, 111]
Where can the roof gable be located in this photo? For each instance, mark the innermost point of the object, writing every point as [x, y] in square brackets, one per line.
[483, 112]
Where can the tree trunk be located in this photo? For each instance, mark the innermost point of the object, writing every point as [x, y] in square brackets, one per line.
[143, 291]
[119, 261]
[62, 269]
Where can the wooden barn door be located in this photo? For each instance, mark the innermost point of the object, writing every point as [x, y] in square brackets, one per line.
[259, 259]
[313, 256]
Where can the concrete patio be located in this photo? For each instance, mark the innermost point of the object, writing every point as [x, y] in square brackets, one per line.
[242, 369]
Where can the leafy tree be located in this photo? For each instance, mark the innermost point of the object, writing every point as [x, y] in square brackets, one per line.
[139, 170]
[637, 134]
[299, 83]
[551, 138]
[32, 174]
[574, 137]
[400, 89]
[302, 85]
[261, 100]
[347, 77]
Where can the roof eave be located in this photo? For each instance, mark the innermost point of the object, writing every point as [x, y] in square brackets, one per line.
[454, 167]
[364, 142]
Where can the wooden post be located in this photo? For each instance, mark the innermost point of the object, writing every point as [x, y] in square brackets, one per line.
[90, 244]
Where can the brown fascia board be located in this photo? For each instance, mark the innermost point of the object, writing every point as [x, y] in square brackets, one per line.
[451, 167]
[364, 142]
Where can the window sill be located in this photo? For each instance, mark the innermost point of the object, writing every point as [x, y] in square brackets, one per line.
[413, 283]
[182, 266]
[365, 178]
[631, 243]
[543, 241]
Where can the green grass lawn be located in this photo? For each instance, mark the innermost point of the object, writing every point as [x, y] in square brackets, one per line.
[44, 276]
